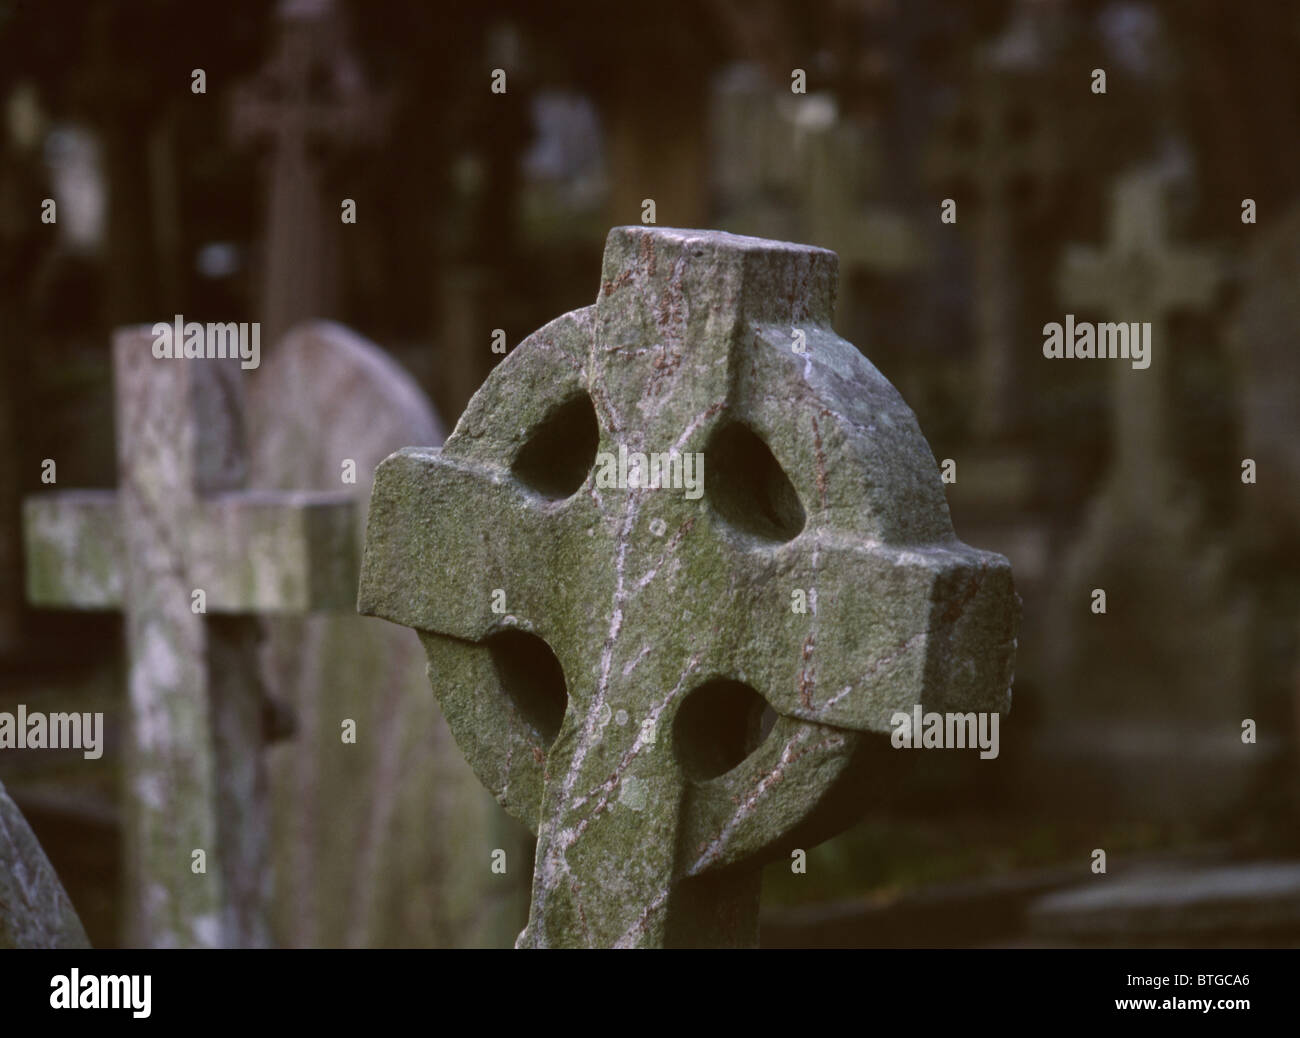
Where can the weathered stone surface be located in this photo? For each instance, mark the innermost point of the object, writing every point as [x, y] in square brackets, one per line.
[670, 619]
[34, 908]
[386, 842]
[74, 550]
[195, 771]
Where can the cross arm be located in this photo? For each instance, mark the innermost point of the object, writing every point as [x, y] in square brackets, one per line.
[271, 551]
[425, 568]
[73, 549]
[889, 627]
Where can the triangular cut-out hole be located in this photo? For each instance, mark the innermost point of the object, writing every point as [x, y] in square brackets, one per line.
[533, 679]
[747, 486]
[559, 453]
[720, 724]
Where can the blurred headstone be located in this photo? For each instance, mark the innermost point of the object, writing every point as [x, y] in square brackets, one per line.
[309, 98]
[1267, 367]
[34, 908]
[788, 166]
[386, 841]
[1253, 905]
[999, 154]
[1152, 692]
[1263, 342]
[191, 558]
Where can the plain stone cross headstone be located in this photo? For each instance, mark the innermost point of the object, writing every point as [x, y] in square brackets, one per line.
[623, 666]
[180, 523]
[35, 911]
[311, 94]
[1140, 276]
[792, 166]
[1002, 148]
[1149, 696]
[384, 841]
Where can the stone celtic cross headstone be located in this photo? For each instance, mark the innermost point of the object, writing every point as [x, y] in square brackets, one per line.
[179, 523]
[622, 664]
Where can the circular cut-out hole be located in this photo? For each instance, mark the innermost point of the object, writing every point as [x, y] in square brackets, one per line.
[747, 486]
[533, 679]
[720, 724]
[559, 453]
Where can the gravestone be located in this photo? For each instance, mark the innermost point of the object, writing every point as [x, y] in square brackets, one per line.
[786, 165]
[1150, 696]
[179, 522]
[623, 666]
[1268, 385]
[1000, 156]
[310, 97]
[386, 841]
[34, 908]
[1223, 905]
[1264, 347]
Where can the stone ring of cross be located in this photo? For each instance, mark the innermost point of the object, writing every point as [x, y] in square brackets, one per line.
[684, 553]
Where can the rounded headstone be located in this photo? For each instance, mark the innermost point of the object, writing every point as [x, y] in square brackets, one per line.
[387, 840]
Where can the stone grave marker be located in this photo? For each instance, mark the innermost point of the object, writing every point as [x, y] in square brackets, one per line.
[1140, 276]
[1151, 694]
[1262, 339]
[1001, 157]
[1188, 904]
[623, 665]
[311, 96]
[179, 523]
[35, 911]
[386, 841]
[793, 166]
[1263, 344]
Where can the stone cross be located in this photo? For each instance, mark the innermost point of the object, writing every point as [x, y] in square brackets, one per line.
[179, 524]
[668, 685]
[1140, 276]
[1000, 156]
[784, 166]
[310, 93]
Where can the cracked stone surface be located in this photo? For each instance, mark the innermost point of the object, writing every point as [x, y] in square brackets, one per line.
[658, 608]
[35, 911]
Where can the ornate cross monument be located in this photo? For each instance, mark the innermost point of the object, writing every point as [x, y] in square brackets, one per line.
[668, 686]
